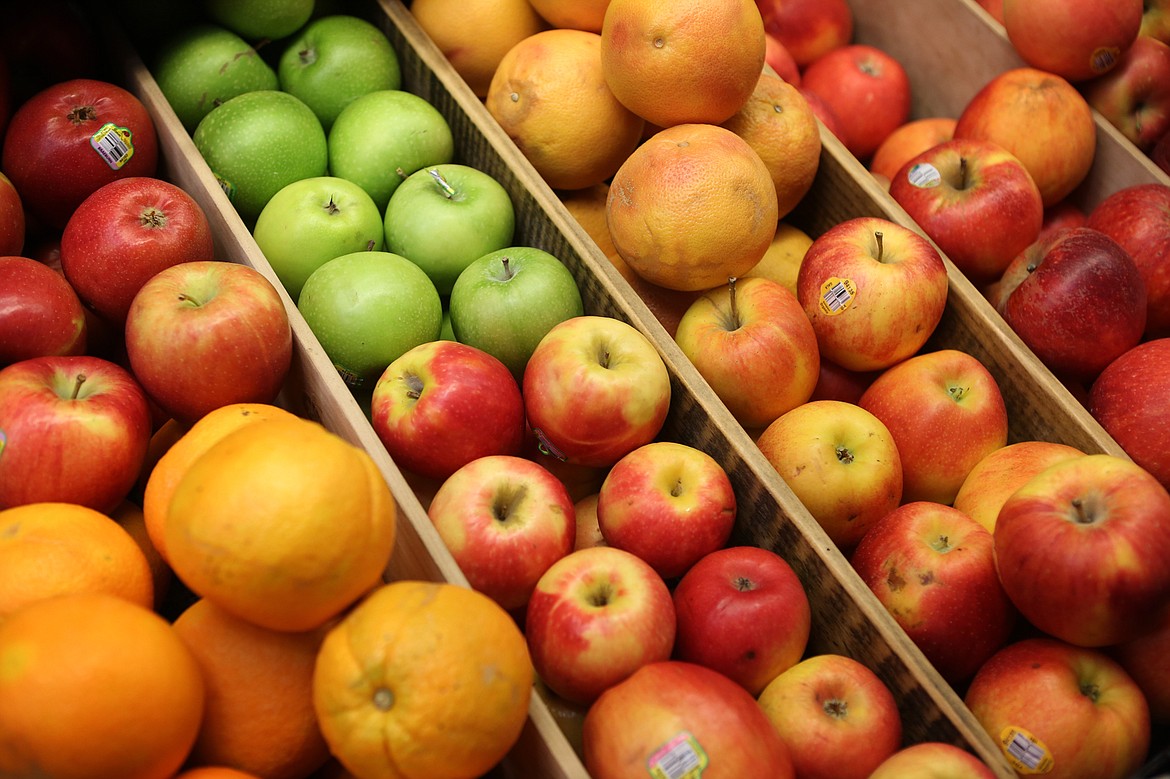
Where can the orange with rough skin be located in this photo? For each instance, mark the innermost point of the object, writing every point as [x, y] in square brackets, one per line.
[423, 679]
[588, 207]
[258, 715]
[215, 772]
[778, 123]
[683, 61]
[129, 515]
[551, 97]
[573, 14]
[185, 449]
[474, 35]
[93, 686]
[692, 206]
[49, 549]
[284, 524]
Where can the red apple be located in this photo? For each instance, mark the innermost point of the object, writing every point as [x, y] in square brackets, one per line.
[837, 717]
[74, 429]
[945, 412]
[780, 59]
[1066, 213]
[994, 9]
[874, 291]
[203, 334]
[1138, 218]
[674, 716]
[1002, 472]
[1077, 300]
[1082, 549]
[443, 404]
[932, 760]
[73, 137]
[824, 112]
[1144, 659]
[837, 383]
[505, 520]
[124, 233]
[1040, 118]
[1061, 711]
[47, 42]
[595, 389]
[1130, 401]
[11, 216]
[40, 314]
[975, 200]
[909, 140]
[596, 616]
[754, 345]
[868, 90]
[1160, 154]
[1077, 46]
[840, 461]
[668, 503]
[808, 28]
[588, 529]
[1135, 95]
[742, 611]
[933, 568]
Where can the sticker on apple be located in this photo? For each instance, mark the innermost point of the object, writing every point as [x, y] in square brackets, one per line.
[1026, 753]
[924, 176]
[837, 295]
[114, 144]
[680, 758]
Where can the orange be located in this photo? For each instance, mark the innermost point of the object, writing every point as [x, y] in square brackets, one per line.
[95, 687]
[778, 123]
[474, 35]
[423, 679]
[284, 524]
[692, 206]
[908, 141]
[129, 515]
[683, 61]
[258, 715]
[161, 440]
[49, 549]
[215, 772]
[573, 14]
[781, 262]
[551, 98]
[178, 456]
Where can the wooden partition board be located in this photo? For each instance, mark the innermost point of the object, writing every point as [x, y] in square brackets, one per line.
[847, 618]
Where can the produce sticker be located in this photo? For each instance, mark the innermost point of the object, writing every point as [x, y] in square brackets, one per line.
[680, 758]
[113, 144]
[924, 176]
[837, 295]
[1026, 753]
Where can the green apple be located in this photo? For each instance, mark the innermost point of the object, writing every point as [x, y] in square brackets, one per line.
[260, 19]
[382, 137]
[505, 301]
[205, 65]
[446, 332]
[443, 217]
[258, 142]
[311, 221]
[367, 309]
[335, 59]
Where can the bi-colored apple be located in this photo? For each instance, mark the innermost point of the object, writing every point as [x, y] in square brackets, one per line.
[808, 28]
[40, 314]
[932, 760]
[1135, 95]
[1130, 401]
[1077, 46]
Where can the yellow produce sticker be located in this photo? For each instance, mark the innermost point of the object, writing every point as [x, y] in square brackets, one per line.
[837, 295]
[113, 144]
[680, 758]
[1026, 753]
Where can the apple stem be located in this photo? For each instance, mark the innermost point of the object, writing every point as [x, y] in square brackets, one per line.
[81, 377]
[185, 298]
[880, 246]
[448, 190]
[331, 206]
[962, 172]
[1084, 514]
[603, 358]
[508, 272]
[731, 302]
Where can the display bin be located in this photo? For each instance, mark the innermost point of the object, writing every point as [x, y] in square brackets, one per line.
[847, 618]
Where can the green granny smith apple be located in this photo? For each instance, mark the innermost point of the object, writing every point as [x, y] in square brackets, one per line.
[260, 19]
[311, 221]
[443, 217]
[205, 65]
[335, 59]
[366, 309]
[382, 137]
[258, 142]
[505, 301]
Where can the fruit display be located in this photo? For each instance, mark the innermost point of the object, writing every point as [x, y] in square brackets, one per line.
[538, 482]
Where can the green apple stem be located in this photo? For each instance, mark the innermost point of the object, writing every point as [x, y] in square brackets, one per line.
[81, 377]
[448, 190]
[507, 273]
[185, 298]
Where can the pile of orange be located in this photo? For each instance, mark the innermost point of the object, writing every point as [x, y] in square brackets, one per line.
[280, 534]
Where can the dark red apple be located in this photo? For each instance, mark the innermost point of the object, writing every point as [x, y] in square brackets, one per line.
[72, 137]
[1138, 218]
[1131, 400]
[1160, 154]
[126, 232]
[1065, 213]
[808, 28]
[46, 42]
[1077, 300]
[11, 218]
[1134, 96]
[40, 313]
